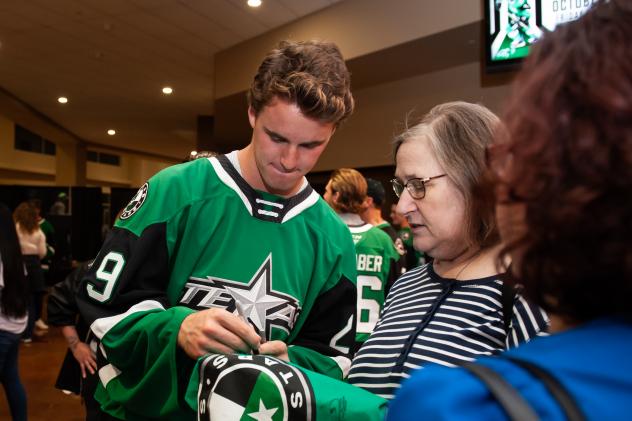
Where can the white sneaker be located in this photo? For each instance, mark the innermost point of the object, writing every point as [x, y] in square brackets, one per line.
[41, 325]
[27, 340]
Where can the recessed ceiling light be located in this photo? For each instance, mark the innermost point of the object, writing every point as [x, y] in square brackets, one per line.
[111, 132]
[62, 100]
[254, 3]
[167, 90]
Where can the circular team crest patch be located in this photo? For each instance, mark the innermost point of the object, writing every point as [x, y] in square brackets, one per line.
[136, 202]
[253, 387]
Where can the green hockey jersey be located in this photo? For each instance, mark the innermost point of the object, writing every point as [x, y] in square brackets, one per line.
[376, 263]
[414, 258]
[197, 236]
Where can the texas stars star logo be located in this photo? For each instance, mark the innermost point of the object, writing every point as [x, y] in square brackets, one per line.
[263, 306]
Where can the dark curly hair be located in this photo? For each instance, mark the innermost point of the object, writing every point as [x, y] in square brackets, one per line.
[569, 148]
[311, 74]
[26, 215]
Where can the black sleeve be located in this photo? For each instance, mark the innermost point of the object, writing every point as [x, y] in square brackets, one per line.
[62, 305]
[143, 274]
[325, 342]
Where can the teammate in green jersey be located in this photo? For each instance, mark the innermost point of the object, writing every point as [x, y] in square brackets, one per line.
[414, 258]
[376, 255]
[231, 254]
[372, 214]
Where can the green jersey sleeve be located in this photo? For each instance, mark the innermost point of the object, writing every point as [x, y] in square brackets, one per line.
[124, 297]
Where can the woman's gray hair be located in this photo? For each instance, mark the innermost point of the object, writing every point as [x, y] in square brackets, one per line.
[458, 133]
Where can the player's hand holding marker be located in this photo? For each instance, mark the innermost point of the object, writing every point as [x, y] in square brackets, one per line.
[216, 331]
[242, 315]
[274, 348]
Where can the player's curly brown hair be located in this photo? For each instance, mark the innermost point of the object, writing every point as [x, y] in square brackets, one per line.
[311, 74]
[351, 187]
[568, 151]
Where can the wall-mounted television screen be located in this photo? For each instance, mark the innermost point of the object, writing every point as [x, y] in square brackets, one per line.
[513, 26]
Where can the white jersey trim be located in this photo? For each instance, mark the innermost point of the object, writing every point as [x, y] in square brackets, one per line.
[344, 363]
[360, 230]
[102, 326]
[310, 201]
[228, 180]
[108, 373]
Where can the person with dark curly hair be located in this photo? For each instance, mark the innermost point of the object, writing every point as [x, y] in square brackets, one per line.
[563, 183]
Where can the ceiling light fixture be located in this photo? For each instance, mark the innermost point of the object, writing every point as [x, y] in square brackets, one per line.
[62, 100]
[254, 3]
[167, 90]
[111, 132]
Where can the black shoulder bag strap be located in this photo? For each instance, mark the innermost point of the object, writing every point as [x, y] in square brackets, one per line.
[508, 295]
[514, 405]
[508, 398]
[555, 388]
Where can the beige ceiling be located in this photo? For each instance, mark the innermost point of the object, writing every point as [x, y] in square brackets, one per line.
[111, 58]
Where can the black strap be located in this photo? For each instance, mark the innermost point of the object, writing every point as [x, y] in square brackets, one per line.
[509, 399]
[508, 292]
[514, 405]
[555, 388]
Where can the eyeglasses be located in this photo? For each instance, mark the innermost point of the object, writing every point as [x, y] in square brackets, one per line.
[416, 186]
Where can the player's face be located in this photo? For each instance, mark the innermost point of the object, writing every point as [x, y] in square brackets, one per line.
[437, 221]
[286, 145]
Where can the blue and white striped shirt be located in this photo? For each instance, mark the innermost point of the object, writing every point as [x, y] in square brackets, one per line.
[430, 319]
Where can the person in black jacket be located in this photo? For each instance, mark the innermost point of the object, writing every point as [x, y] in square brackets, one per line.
[78, 371]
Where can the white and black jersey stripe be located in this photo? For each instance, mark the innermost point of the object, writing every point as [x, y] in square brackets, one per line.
[429, 319]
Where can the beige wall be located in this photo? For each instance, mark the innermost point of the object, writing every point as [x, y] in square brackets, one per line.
[15, 163]
[358, 27]
[133, 171]
[364, 141]
[69, 166]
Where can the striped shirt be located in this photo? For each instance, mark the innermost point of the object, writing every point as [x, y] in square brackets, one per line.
[430, 319]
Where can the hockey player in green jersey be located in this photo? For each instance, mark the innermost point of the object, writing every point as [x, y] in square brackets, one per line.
[414, 258]
[239, 233]
[372, 214]
[376, 255]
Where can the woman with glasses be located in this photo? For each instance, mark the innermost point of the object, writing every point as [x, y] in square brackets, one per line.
[456, 308]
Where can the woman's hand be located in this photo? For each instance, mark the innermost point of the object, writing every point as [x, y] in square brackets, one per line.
[84, 356]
